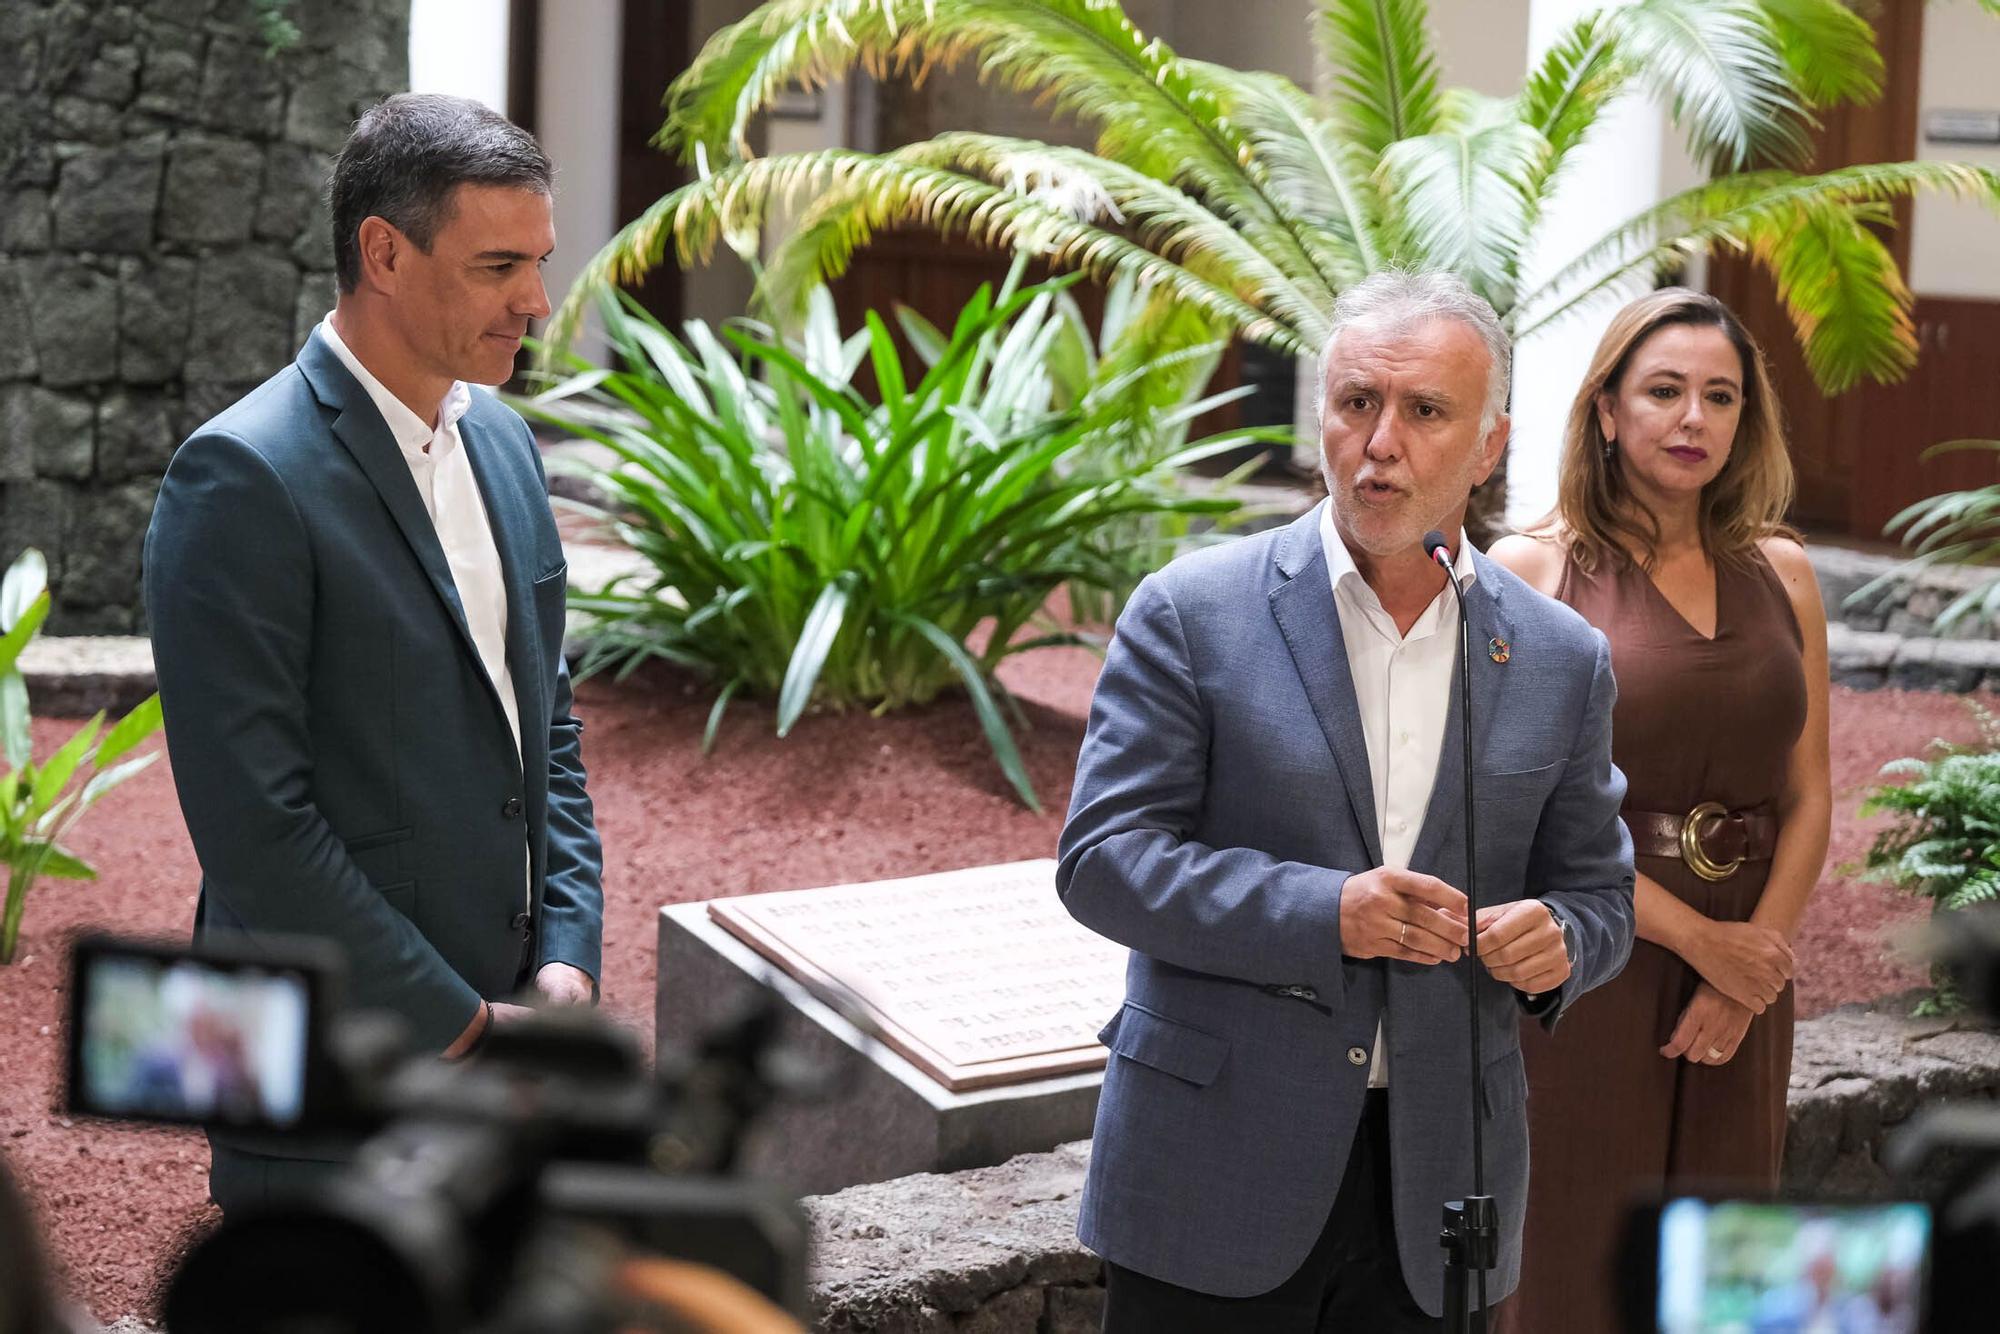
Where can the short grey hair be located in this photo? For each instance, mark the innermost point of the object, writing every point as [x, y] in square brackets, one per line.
[1399, 298]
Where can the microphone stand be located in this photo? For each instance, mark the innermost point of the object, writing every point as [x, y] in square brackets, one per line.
[1471, 1236]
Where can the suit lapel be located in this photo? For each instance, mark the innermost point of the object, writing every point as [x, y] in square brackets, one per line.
[1310, 623]
[360, 428]
[506, 515]
[1485, 622]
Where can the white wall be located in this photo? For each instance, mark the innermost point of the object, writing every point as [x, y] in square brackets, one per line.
[1481, 44]
[1614, 173]
[1954, 245]
[1279, 40]
[460, 47]
[576, 113]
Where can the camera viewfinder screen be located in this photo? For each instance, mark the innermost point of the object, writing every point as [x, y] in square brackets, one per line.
[1742, 1267]
[177, 1040]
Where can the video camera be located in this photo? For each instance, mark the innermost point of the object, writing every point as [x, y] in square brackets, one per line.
[548, 1184]
[1920, 1264]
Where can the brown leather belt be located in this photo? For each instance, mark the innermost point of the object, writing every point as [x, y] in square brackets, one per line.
[1711, 840]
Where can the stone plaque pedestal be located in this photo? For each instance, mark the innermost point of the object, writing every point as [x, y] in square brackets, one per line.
[891, 1117]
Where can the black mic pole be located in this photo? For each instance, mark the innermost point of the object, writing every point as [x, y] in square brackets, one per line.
[1471, 1236]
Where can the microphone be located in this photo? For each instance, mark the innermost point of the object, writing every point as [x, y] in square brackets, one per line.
[1471, 1237]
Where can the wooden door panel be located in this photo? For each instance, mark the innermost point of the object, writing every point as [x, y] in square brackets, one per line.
[1849, 451]
[1953, 395]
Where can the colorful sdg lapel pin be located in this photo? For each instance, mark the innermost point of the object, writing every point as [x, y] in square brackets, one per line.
[1496, 649]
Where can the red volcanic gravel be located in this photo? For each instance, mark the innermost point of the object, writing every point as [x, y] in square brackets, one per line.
[844, 799]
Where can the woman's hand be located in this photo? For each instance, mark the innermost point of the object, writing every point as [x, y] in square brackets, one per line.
[1710, 1030]
[1748, 963]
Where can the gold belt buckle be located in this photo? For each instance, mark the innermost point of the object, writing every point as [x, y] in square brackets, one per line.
[1694, 854]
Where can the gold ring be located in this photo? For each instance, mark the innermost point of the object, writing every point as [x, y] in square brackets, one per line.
[1715, 1053]
[1403, 936]
[1694, 854]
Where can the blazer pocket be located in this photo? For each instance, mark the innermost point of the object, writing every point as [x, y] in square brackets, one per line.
[1167, 1045]
[383, 839]
[1504, 1083]
[1518, 784]
[550, 595]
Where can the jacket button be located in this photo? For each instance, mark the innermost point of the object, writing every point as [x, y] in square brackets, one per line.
[511, 809]
[1357, 1055]
[519, 921]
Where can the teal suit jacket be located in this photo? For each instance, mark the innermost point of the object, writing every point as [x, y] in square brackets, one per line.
[342, 758]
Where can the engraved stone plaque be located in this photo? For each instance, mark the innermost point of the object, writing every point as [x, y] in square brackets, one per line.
[978, 977]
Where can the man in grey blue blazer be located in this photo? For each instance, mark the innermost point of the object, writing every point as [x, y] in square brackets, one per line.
[1268, 811]
[356, 590]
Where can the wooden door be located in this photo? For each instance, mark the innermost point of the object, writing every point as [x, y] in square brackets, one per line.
[657, 45]
[1951, 396]
[1847, 449]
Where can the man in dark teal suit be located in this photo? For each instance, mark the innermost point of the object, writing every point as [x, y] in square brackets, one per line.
[356, 588]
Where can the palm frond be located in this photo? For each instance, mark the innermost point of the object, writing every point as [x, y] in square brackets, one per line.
[1569, 86]
[1082, 185]
[1845, 295]
[1829, 48]
[1313, 168]
[1720, 68]
[1385, 79]
[1462, 198]
[695, 216]
[1151, 110]
[1839, 289]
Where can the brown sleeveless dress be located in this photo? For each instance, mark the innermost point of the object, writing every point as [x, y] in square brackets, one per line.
[1610, 1119]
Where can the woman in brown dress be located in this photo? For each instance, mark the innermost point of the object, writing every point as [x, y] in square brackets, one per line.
[1668, 536]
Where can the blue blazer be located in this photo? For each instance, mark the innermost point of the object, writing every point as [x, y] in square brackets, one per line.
[1222, 799]
[342, 758]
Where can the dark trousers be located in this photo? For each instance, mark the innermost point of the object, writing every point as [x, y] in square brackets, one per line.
[243, 1182]
[1351, 1283]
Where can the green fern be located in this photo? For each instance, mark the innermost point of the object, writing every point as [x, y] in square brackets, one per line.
[1944, 843]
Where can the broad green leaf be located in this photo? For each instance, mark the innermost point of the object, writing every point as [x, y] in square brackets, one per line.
[990, 720]
[722, 698]
[59, 863]
[56, 770]
[26, 580]
[24, 629]
[144, 720]
[14, 734]
[816, 640]
[103, 781]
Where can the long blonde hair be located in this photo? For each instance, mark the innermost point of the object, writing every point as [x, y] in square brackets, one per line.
[1747, 500]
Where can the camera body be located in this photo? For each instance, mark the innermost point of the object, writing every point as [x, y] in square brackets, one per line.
[495, 1194]
[1919, 1263]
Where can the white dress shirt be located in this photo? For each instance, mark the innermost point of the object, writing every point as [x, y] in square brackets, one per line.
[444, 479]
[1402, 688]
[443, 474]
